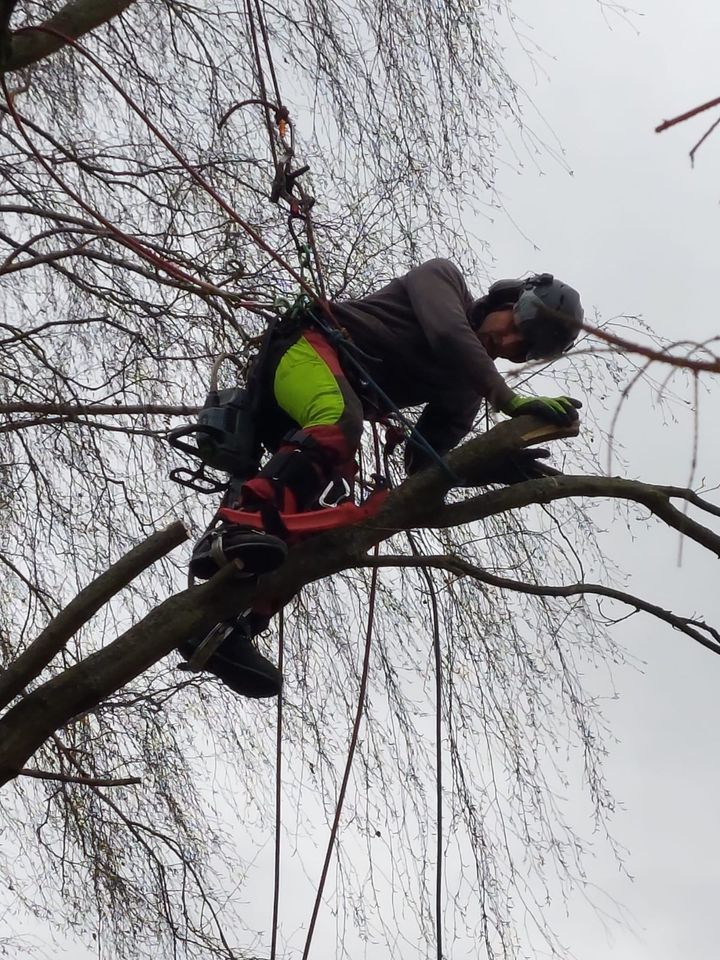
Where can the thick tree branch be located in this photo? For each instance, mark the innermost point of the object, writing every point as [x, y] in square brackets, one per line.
[704, 634]
[76, 18]
[655, 498]
[41, 651]
[50, 706]
[417, 502]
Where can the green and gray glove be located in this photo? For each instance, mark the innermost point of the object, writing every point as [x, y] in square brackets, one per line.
[560, 410]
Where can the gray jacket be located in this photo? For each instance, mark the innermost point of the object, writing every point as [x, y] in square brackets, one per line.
[418, 328]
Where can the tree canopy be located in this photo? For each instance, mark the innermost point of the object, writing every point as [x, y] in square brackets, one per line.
[455, 627]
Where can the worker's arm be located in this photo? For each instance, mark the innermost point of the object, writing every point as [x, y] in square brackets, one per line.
[440, 300]
[443, 426]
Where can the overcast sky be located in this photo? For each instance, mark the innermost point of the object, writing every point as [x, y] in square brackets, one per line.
[635, 229]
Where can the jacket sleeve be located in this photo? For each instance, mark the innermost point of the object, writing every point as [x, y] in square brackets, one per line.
[443, 425]
[440, 300]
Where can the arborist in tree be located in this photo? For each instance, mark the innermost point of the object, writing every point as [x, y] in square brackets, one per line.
[422, 339]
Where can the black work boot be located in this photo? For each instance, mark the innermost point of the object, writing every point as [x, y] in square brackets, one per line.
[236, 661]
[255, 551]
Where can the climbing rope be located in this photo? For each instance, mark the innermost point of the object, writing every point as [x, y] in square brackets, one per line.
[437, 656]
[351, 754]
[278, 791]
[184, 163]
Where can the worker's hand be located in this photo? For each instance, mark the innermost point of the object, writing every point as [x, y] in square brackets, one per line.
[560, 410]
[522, 465]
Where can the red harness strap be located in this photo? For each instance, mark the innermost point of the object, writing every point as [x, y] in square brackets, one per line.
[313, 521]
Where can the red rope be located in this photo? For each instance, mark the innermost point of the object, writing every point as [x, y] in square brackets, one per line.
[348, 764]
[199, 179]
[307, 218]
[261, 80]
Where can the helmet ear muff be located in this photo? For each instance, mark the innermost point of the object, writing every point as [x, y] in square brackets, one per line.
[502, 293]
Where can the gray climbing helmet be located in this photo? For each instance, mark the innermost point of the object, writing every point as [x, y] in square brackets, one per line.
[547, 312]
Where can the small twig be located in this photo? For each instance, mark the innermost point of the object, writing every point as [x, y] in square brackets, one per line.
[85, 781]
[686, 116]
[702, 140]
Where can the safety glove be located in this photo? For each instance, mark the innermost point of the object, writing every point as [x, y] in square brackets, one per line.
[562, 411]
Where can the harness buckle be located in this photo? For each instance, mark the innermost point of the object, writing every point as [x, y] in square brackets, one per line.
[339, 485]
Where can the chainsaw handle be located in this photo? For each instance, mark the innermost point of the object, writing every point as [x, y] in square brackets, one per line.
[174, 436]
[197, 480]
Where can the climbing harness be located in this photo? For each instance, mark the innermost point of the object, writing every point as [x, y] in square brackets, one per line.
[329, 517]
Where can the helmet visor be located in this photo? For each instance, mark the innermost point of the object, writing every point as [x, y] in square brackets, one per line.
[548, 333]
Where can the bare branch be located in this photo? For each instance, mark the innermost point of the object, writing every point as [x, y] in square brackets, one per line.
[99, 409]
[692, 628]
[38, 655]
[84, 781]
[666, 124]
[628, 346]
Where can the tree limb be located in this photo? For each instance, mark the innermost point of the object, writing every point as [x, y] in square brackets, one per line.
[692, 628]
[41, 651]
[417, 502]
[655, 498]
[76, 18]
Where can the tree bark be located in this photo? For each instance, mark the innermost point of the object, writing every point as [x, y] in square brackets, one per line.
[76, 18]
[417, 502]
[41, 651]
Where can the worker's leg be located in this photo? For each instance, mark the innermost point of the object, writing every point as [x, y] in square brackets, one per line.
[314, 464]
[313, 467]
[237, 661]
